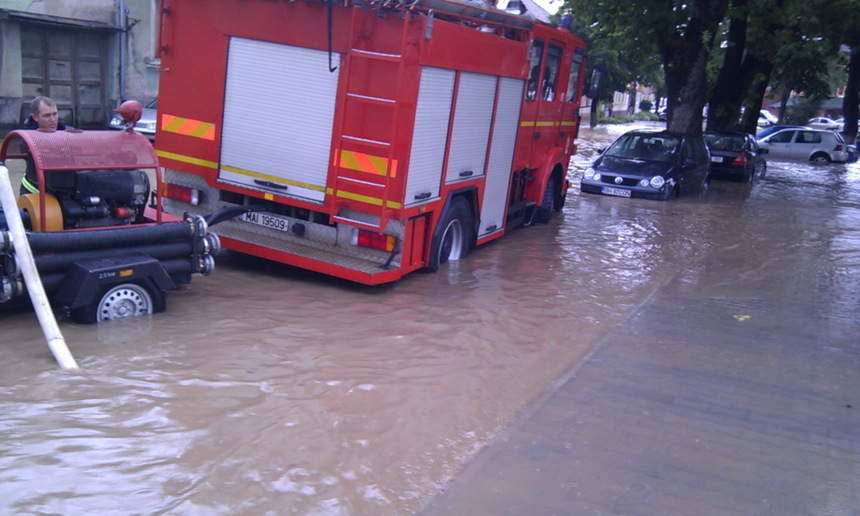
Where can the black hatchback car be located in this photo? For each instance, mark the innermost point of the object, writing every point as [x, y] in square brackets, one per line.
[650, 165]
[735, 156]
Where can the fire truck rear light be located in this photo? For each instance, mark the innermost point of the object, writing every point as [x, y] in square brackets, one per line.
[182, 193]
[371, 240]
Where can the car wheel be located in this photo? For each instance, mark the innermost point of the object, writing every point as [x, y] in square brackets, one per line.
[453, 236]
[763, 171]
[543, 212]
[820, 158]
[124, 300]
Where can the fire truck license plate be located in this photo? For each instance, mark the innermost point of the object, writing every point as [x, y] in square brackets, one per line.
[266, 220]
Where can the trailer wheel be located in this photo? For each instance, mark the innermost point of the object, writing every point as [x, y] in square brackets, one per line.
[544, 212]
[118, 301]
[454, 237]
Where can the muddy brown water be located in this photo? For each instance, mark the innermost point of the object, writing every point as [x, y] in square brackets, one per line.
[269, 390]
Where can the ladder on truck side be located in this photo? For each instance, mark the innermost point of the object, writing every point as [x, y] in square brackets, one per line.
[366, 168]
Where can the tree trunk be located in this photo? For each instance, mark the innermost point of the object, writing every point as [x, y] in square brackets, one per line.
[686, 84]
[850, 103]
[728, 93]
[756, 77]
[592, 113]
[684, 62]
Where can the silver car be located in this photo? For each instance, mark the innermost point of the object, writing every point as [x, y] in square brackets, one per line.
[822, 122]
[815, 145]
[147, 123]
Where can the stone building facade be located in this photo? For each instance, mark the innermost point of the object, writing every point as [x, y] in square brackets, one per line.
[87, 56]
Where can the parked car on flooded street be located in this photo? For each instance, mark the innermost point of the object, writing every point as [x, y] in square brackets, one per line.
[147, 123]
[650, 165]
[735, 156]
[766, 119]
[816, 145]
[767, 131]
[822, 122]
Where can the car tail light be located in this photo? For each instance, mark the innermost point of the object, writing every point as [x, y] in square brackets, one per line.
[740, 160]
[838, 148]
[373, 240]
[182, 193]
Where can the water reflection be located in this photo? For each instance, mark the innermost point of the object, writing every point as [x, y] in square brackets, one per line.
[269, 390]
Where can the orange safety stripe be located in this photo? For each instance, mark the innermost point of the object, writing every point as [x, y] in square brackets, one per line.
[187, 127]
[367, 163]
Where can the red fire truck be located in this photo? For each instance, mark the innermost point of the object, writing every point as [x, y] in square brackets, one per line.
[367, 139]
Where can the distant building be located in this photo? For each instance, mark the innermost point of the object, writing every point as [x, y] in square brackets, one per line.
[87, 56]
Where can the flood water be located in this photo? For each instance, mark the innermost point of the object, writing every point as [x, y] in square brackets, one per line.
[268, 390]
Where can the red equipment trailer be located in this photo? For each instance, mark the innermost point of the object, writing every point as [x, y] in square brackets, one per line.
[100, 241]
[369, 139]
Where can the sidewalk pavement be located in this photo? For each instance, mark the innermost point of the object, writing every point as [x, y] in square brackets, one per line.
[697, 405]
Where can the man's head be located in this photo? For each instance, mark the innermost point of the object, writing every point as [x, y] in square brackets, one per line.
[43, 110]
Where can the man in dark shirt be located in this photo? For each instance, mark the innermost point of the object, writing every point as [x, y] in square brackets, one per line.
[44, 116]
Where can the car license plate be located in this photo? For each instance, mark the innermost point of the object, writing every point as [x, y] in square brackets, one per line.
[717, 159]
[267, 220]
[608, 190]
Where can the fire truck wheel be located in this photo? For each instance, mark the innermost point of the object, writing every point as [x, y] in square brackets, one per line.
[544, 211]
[118, 301]
[454, 235]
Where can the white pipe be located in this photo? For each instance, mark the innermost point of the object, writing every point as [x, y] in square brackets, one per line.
[24, 257]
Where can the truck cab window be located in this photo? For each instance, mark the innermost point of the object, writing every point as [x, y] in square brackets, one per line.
[573, 79]
[550, 76]
[535, 55]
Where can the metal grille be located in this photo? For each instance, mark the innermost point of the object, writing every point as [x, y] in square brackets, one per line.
[77, 150]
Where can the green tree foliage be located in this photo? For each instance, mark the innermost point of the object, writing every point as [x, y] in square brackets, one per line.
[618, 63]
[726, 52]
[682, 33]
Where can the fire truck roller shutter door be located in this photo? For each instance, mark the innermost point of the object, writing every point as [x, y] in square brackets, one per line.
[433, 113]
[473, 114]
[301, 95]
[499, 167]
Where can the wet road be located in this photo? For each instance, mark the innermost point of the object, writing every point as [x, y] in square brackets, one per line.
[267, 390]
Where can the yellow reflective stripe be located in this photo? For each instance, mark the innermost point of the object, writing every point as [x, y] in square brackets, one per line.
[545, 124]
[186, 159]
[568, 124]
[367, 199]
[274, 179]
[187, 127]
[328, 191]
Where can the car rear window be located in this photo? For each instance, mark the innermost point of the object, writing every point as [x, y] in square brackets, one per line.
[809, 137]
[725, 142]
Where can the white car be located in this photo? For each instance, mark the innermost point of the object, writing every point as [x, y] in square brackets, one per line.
[816, 145]
[766, 119]
[821, 122]
[147, 123]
